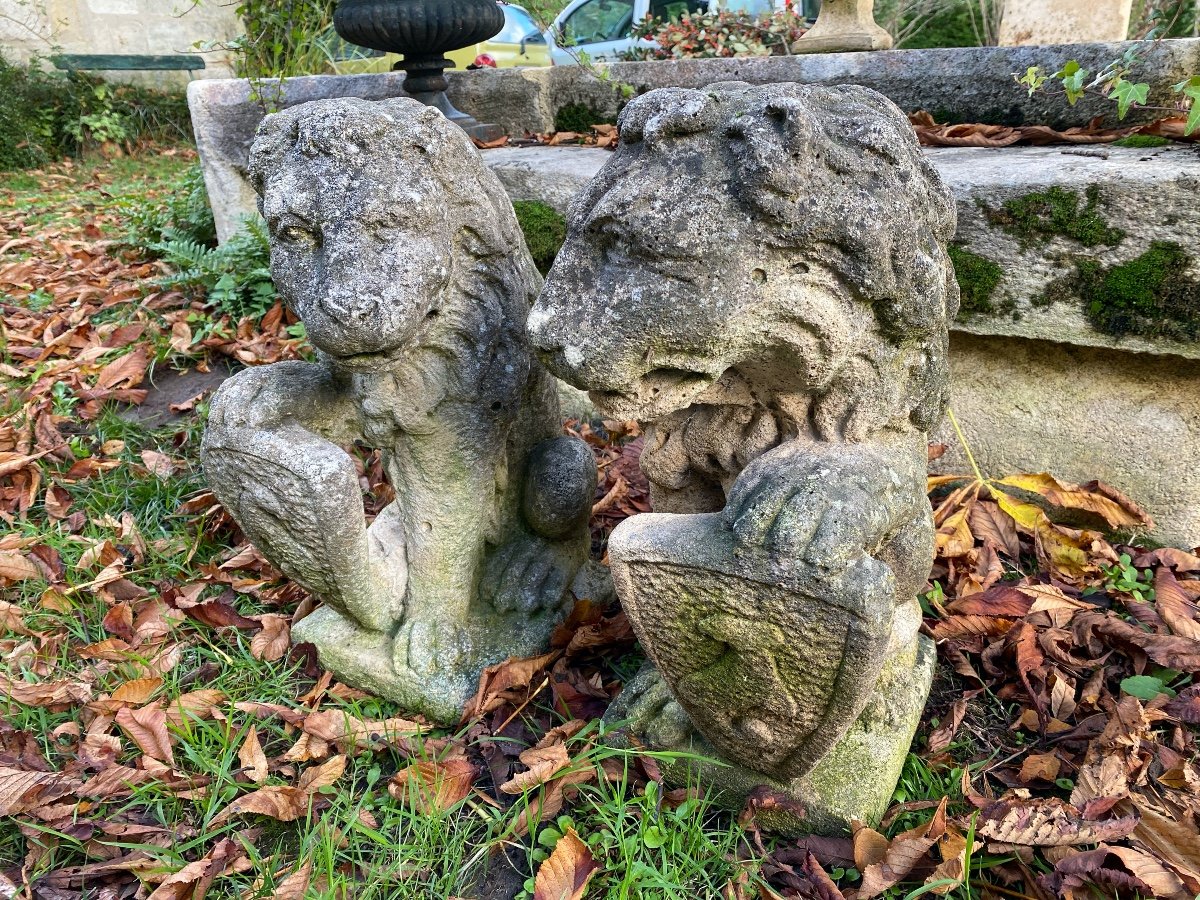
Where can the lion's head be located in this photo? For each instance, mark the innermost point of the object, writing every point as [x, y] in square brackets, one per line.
[378, 213]
[792, 235]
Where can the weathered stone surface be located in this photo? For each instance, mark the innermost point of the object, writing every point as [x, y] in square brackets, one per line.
[856, 779]
[961, 84]
[226, 114]
[759, 276]
[1043, 214]
[1059, 21]
[1130, 419]
[401, 254]
[1138, 198]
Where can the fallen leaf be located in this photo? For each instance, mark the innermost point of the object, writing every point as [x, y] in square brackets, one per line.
[565, 873]
[252, 758]
[429, 786]
[272, 642]
[147, 728]
[543, 763]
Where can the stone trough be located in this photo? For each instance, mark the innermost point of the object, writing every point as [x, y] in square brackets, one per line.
[1078, 348]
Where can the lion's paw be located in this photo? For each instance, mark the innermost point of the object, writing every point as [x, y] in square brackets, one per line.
[529, 574]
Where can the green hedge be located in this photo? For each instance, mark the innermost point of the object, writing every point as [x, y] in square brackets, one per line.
[46, 115]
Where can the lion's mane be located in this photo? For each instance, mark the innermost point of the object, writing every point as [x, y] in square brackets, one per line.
[847, 189]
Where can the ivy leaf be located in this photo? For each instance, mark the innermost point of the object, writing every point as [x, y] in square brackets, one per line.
[1145, 687]
[1191, 89]
[1033, 79]
[1128, 93]
[1072, 75]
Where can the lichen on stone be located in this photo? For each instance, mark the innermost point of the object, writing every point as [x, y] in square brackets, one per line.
[978, 277]
[1038, 216]
[544, 228]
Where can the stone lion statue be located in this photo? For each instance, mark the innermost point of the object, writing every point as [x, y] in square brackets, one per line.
[759, 276]
[400, 253]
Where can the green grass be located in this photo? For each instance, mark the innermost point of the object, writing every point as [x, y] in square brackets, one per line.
[89, 190]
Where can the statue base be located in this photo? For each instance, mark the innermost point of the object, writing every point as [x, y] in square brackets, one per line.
[854, 781]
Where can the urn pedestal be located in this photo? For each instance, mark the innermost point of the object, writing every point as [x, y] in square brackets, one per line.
[424, 31]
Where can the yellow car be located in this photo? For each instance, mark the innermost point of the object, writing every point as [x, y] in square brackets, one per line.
[519, 43]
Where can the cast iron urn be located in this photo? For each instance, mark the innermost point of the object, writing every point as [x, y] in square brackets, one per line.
[423, 31]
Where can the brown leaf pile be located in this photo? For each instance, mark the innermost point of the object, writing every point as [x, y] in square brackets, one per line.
[931, 134]
[1071, 785]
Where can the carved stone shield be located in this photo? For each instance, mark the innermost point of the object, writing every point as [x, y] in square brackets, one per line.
[772, 660]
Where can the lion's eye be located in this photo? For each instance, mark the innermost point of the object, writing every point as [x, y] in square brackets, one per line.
[297, 234]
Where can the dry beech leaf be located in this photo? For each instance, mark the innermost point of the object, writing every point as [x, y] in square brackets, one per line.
[338, 727]
[137, 691]
[565, 873]
[147, 728]
[904, 853]
[282, 802]
[194, 879]
[196, 704]
[1175, 606]
[45, 693]
[295, 885]
[22, 791]
[1047, 822]
[271, 643]
[252, 758]
[543, 765]
[317, 777]
[429, 786]
[16, 567]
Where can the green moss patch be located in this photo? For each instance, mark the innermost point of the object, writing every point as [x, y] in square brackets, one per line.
[1148, 296]
[978, 277]
[1041, 215]
[1142, 141]
[545, 230]
[579, 117]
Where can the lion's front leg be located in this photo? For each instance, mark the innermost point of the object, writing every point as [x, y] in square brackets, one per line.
[532, 569]
[296, 494]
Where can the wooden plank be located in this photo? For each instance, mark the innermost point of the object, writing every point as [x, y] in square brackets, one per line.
[181, 62]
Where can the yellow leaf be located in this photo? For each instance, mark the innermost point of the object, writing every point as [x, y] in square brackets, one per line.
[1026, 515]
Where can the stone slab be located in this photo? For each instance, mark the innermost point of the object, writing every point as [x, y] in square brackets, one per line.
[957, 84]
[1149, 194]
[1129, 419]
[962, 84]
[1059, 21]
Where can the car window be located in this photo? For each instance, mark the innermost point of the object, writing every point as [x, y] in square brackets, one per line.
[518, 24]
[599, 20]
[754, 7]
[673, 10]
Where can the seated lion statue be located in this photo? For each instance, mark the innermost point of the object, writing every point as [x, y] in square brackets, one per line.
[401, 254]
[759, 276]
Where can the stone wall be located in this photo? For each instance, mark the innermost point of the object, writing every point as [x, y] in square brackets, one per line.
[968, 84]
[128, 27]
